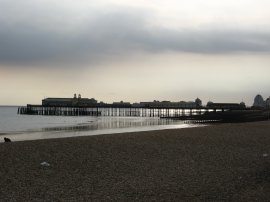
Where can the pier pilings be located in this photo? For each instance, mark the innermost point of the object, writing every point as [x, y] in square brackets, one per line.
[163, 112]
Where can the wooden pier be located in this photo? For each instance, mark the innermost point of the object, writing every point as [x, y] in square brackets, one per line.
[111, 110]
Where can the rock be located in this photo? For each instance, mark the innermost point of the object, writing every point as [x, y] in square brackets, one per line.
[45, 164]
[7, 139]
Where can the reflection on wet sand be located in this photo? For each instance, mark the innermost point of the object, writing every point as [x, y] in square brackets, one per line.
[112, 123]
[94, 126]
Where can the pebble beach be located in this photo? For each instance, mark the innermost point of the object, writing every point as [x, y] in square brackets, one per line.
[221, 162]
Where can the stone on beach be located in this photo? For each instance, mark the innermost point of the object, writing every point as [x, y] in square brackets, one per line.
[7, 139]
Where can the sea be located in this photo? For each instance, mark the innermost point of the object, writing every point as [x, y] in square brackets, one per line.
[32, 127]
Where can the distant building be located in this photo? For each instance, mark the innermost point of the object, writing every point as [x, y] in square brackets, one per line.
[259, 102]
[122, 104]
[226, 105]
[69, 102]
[180, 104]
[57, 102]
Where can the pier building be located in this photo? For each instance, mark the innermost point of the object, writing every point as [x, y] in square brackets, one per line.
[69, 102]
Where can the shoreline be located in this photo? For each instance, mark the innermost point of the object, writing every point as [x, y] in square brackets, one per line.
[39, 135]
[221, 162]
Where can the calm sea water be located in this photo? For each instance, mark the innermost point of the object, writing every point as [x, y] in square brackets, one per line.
[30, 127]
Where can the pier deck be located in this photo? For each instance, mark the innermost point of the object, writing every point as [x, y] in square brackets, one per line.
[112, 110]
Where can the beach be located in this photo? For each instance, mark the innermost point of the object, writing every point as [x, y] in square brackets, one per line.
[220, 162]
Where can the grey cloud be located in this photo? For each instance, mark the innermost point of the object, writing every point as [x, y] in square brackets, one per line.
[116, 34]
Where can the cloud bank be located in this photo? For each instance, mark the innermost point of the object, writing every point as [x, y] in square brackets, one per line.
[100, 36]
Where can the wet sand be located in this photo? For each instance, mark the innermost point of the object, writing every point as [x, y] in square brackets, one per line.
[226, 162]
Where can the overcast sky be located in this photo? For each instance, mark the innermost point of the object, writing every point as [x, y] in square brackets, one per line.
[116, 50]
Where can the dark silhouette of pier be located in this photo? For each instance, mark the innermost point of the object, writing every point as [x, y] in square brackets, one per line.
[116, 110]
[191, 111]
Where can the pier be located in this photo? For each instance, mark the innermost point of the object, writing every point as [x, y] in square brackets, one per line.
[78, 106]
[114, 110]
